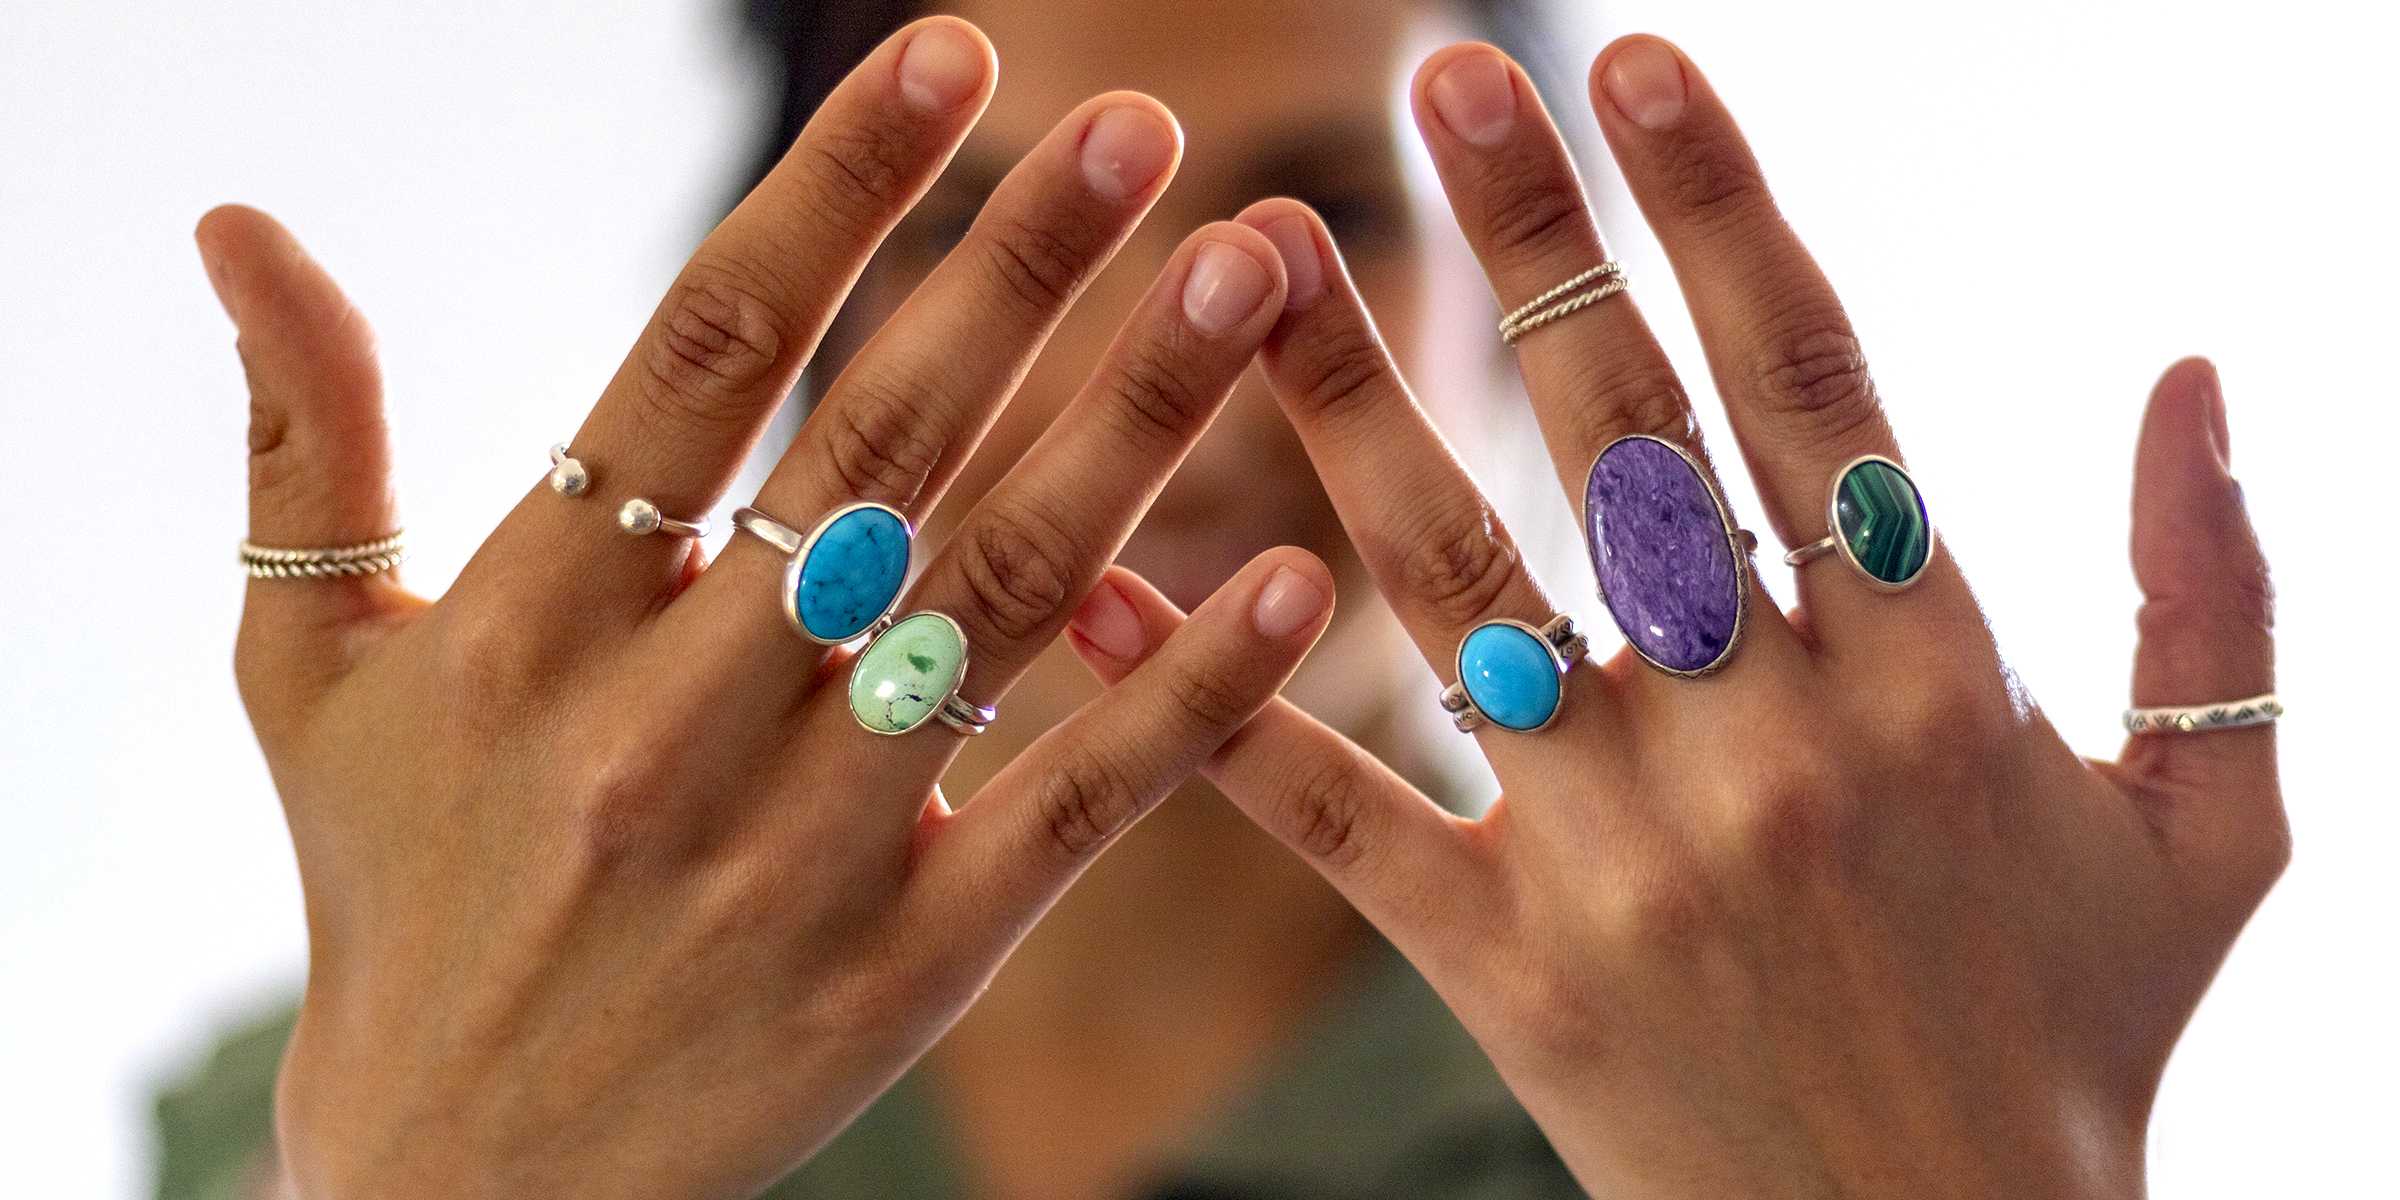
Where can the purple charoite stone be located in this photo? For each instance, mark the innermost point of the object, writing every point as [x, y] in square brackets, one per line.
[1663, 554]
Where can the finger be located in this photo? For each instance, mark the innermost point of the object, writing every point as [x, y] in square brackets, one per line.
[320, 457]
[1026, 835]
[1593, 376]
[1023, 558]
[1410, 867]
[729, 340]
[915, 401]
[1437, 550]
[1780, 348]
[2207, 629]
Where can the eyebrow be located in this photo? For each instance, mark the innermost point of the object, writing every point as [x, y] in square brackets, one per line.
[1303, 159]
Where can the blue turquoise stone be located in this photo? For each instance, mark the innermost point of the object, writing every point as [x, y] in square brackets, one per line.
[1663, 555]
[1882, 520]
[1509, 675]
[852, 574]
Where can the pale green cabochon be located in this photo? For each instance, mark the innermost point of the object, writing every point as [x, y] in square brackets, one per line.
[906, 673]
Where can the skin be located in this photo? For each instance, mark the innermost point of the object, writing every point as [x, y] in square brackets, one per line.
[1845, 918]
[537, 933]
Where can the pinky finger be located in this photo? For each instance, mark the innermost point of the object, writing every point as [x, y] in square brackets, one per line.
[1410, 867]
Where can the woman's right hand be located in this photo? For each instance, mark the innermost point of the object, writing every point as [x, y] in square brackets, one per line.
[607, 892]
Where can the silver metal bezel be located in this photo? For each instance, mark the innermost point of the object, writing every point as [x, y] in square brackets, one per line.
[1841, 545]
[965, 655]
[1735, 543]
[797, 561]
[1469, 714]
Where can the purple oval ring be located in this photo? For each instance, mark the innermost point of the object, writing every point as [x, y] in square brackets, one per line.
[1671, 565]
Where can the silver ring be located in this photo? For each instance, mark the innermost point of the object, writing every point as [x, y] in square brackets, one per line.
[851, 591]
[1522, 691]
[1539, 311]
[2200, 718]
[639, 516]
[569, 477]
[365, 558]
[1876, 518]
[910, 674]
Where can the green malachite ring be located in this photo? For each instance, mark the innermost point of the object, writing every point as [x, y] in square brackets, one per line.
[1878, 523]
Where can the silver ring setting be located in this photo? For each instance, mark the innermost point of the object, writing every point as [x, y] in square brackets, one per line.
[1673, 567]
[910, 674]
[332, 562]
[842, 578]
[1877, 523]
[1604, 280]
[1510, 674]
[2200, 718]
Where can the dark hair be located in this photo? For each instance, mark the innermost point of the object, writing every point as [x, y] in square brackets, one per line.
[816, 42]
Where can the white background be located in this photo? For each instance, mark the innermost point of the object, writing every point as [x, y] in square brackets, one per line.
[2031, 207]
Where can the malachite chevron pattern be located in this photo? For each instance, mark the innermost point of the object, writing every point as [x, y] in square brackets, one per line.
[1883, 519]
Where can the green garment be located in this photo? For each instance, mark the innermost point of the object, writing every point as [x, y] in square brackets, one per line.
[1384, 1095]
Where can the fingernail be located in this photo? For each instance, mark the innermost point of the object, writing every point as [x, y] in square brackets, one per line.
[1645, 82]
[1224, 287]
[941, 68]
[1109, 623]
[1475, 98]
[1125, 150]
[1288, 602]
[2220, 432]
[1303, 271]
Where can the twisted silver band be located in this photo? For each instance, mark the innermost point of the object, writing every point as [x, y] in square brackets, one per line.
[2236, 714]
[1539, 311]
[333, 562]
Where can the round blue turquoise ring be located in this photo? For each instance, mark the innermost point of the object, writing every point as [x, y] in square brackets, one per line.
[1510, 673]
[844, 576]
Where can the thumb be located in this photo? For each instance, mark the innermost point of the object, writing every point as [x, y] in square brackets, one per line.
[2207, 631]
[320, 458]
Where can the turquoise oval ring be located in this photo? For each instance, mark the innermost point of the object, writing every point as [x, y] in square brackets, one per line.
[843, 578]
[1509, 674]
[1878, 523]
[910, 674]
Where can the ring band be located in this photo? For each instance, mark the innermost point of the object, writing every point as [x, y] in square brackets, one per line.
[365, 558]
[2238, 714]
[910, 674]
[1876, 518]
[842, 578]
[1539, 311]
[1508, 674]
[567, 476]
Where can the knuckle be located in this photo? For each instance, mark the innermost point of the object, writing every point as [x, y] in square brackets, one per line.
[1155, 403]
[857, 174]
[1019, 568]
[1813, 368]
[1638, 396]
[717, 340]
[878, 443]
[1712, 183]
[1211, 702]
[1085, 801]
[615, 804]
[1348, 372]
[1326, 815]
[1459, 564]
[1532, 210]
[484, 665]
[1801, 815]
[1036, 272]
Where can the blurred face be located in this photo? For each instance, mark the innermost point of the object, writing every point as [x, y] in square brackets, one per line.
[1277, 97]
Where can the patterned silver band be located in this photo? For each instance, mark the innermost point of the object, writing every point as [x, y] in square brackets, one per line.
[2237, 714]
[1609, 277]
[333, 562]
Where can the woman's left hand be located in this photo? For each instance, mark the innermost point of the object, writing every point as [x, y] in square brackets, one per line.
[1845, 917]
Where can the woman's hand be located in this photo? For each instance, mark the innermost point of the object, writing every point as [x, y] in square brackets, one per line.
[1845, 918]
[608, 894]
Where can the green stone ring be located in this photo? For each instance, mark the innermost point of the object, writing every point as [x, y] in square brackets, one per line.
[910, 674]
[1878, 521]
